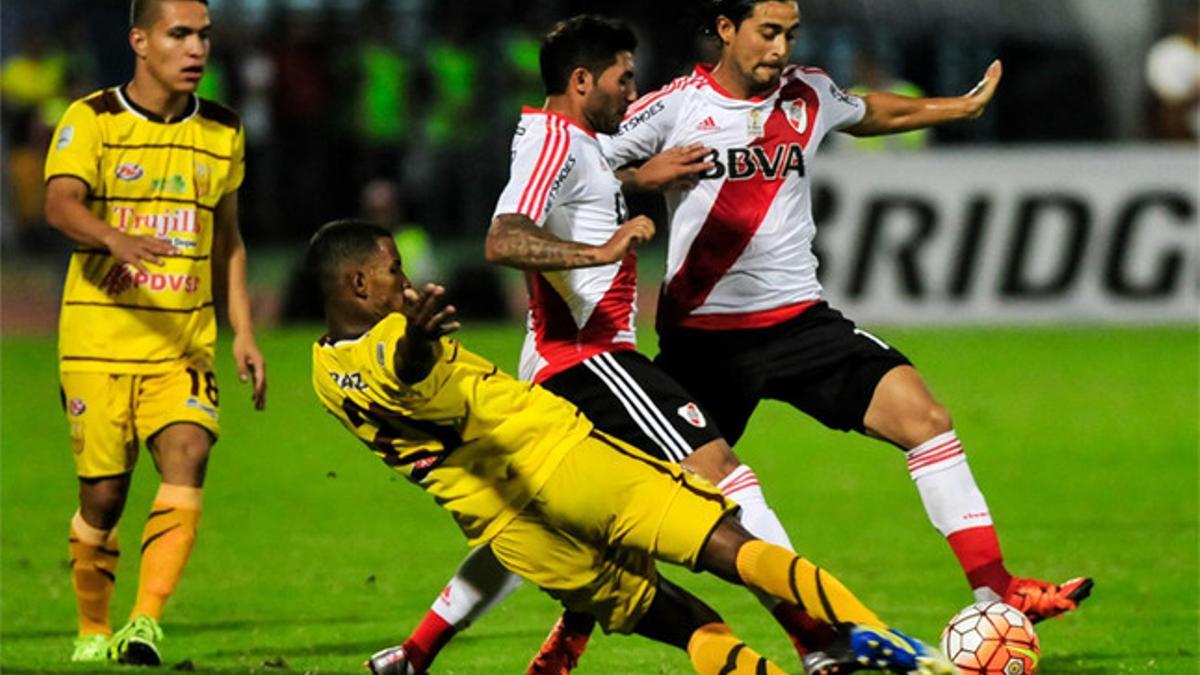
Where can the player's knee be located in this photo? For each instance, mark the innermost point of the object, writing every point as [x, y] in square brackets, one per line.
[182, 452]
[931, 421]
[937, 419]
[712, 461]
[720, 552]
[101, 504]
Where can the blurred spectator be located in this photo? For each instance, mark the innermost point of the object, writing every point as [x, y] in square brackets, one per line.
[1173, 73]
[381, 205]
[310, 167]
[34, 89]
[870, 74]
[382, 81]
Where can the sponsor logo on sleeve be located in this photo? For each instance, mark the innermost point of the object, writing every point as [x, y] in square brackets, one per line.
[836, 92]
[642, 117]
[64, 137]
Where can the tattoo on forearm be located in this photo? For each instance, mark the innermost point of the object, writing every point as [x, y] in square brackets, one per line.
[520, 243]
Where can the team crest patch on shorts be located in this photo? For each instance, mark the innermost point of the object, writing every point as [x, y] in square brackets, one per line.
[691, 413]
[76, 407]
[193, 403]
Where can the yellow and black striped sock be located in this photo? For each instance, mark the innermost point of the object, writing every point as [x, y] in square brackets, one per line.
[94, 554]
[715, 650]
[166, 545]
[785, 575]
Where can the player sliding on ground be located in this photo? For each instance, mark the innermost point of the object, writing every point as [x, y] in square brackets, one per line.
[573, 510]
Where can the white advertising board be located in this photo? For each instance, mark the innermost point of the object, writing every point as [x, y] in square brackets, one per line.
[1103, 234]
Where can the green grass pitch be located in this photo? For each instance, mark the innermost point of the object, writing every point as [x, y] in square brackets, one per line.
[312, 554]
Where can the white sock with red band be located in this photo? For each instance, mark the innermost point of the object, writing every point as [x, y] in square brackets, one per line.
[958, 510]
[741, 486]
[479, 584]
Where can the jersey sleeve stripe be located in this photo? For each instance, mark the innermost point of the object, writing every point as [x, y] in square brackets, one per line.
[547, 141]
[108, 360]
[140, 308]
[69, 175]
[107, 253]
[647, 100]
[555, 165]
[166, 146]
[562, 142]
[171, 200]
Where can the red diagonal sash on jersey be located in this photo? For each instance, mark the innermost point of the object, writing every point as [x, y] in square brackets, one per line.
[736, 214]
[564, 344]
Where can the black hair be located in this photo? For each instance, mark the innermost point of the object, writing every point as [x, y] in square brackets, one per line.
[584, 41]
[338, 242]
[143, 13]
[736, 11]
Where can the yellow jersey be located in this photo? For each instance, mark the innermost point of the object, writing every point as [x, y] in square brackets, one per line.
[481, 443]
[145, 176]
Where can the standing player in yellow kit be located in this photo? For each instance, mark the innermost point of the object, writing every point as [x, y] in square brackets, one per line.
[144, 178]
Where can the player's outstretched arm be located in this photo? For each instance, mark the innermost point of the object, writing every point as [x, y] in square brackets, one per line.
[889, 113]
[429, 318]
[229, 268]
[67, 211]
[516, 241]
[672, 169]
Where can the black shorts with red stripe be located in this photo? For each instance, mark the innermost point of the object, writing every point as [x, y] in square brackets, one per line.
[819, 362]
[627, 396]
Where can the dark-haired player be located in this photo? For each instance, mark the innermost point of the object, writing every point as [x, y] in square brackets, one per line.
[144, 178]
[578, 512]
[562, 220]
[741, 276]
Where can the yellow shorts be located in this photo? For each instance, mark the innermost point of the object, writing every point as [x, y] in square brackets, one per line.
[110, 414]
[591, 535]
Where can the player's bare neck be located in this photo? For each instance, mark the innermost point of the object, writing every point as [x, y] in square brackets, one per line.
[153, 97]
[569, 108]
[733, 83]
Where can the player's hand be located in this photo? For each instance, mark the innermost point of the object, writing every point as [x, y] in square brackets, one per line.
[429, 317]
[673, 169]
[632, 233]
[251, 366]
[979, 97]
[137, 251]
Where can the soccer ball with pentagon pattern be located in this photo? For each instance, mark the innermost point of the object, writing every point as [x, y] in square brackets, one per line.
[991, 638]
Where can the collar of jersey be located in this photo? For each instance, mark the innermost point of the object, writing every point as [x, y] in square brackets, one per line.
[527, 110]
[153, 117]
[705, 70]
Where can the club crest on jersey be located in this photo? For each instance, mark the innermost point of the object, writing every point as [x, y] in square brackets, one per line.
[797, 114]
[76, 407]
[129, 171]
[691, 413]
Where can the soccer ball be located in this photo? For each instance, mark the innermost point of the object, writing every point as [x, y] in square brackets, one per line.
[991, 638]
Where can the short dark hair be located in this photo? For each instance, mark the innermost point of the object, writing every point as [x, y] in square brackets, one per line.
[736, 11]
[584, 41]
[142, 13]
[338, 242]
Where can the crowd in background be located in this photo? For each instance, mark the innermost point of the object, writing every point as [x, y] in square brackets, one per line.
[402, 110]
